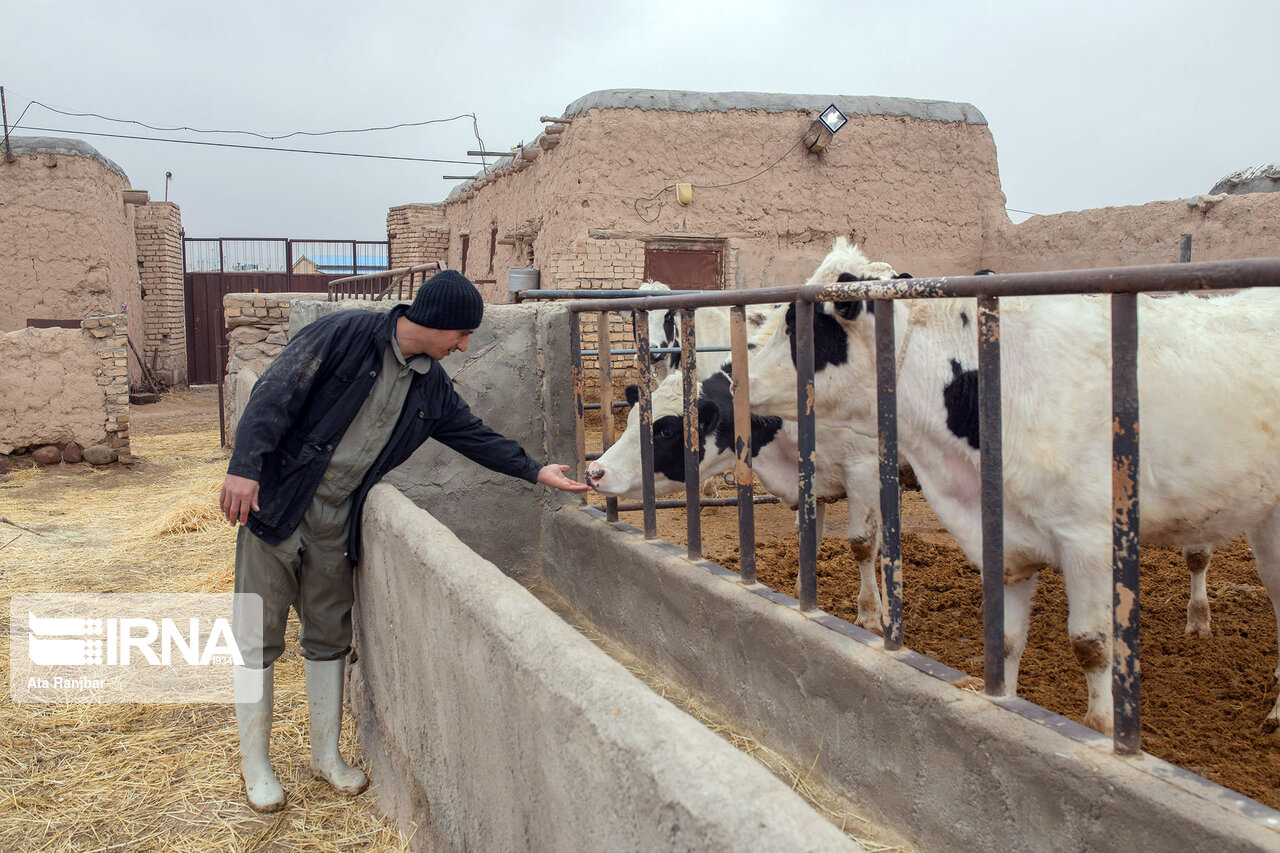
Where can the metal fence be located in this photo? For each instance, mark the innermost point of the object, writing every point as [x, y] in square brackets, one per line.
[400, 284]
[278, 254]
[1122, 284]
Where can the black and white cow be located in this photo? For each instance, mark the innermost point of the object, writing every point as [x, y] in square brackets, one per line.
[710, 328]
[1210, 460]
[845, 464]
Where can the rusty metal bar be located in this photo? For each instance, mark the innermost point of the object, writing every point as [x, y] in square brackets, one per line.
[364, 284]
[1206, 275]
[646, 426]
[742, 473]
[890, 506]
[1184, 250]
[991, 449]
[807, 579]
[624, 351]
[692, 458]
[704, 502]
[579, 430]
[606, 399]
[1127, 668]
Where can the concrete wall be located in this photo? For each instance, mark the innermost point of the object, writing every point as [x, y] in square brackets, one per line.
[492, 725]
[67, 245]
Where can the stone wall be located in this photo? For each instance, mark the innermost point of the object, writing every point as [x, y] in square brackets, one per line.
[66, 389]
[158, 227]
[258, 328]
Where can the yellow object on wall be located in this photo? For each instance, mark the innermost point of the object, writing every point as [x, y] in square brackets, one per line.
[684, 193]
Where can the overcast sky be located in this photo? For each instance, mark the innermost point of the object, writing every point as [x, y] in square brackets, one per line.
[1091, 104]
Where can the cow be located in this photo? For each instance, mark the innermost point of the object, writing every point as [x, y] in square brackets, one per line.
[1210, 453]
[710, 329]
[845, 464]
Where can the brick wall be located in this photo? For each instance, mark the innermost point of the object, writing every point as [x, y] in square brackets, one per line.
[158, 228]
[418, 234]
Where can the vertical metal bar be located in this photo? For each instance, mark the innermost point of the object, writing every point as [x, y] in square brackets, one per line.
[355, 265]
[991, 446]
[742, 473]
[604, 348]
[4, 110]
[288, 263]
[890, 507]
[1184, 254]
[575, 354]
[646, 426]
[692, 482]
[807, 580]
[1127, 667]
[221, 261]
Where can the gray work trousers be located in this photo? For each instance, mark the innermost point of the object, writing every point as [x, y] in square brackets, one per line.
[308, 571]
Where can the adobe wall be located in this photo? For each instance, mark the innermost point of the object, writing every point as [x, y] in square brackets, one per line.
[65, 386]
[67, 245]
[915, 181]
[1222, 227]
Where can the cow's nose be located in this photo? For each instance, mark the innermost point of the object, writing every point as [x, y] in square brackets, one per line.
[594, 476]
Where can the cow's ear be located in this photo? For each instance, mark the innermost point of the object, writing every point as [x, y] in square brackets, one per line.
[708, 415]
[633, 394]
[903, 275]
[851, 310]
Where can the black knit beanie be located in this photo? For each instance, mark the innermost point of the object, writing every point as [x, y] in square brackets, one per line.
[448, 300]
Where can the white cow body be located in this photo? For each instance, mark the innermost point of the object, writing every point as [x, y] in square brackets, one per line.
[1210, 436]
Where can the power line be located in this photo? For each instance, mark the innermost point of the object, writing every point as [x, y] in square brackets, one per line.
[249, 147]
[250, 132]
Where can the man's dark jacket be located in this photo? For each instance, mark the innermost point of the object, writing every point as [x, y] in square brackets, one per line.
[304, 402]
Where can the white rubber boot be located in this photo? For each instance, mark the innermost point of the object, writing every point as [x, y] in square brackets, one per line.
[254, 721]
[324, 704]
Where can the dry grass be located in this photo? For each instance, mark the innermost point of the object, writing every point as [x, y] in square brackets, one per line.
[104, 777]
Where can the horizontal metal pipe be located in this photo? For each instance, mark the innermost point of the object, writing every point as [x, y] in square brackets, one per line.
[658, 349]
[598, 294]
[1209, 275]
[636, 507]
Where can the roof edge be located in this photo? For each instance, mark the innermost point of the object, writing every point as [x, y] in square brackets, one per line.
[59, 145]
[683, 101]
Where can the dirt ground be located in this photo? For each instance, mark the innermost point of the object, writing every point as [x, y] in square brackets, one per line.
[1203, 700]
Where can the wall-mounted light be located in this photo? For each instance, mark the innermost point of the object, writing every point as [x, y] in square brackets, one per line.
[684, 193]
[832, 119]
[822, 130]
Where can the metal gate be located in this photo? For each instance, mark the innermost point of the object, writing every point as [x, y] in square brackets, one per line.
[214, 267]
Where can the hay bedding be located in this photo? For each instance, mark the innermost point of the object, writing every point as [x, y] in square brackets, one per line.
[88, 777]
[1203, 700]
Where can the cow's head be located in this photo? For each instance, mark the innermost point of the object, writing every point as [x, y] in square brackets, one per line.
[844, 349]
[617, 471]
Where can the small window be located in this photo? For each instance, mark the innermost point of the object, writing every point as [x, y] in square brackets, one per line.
[685, 265]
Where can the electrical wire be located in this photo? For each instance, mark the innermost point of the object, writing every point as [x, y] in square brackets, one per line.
[250, 147]
[272, 137]
[636, 204]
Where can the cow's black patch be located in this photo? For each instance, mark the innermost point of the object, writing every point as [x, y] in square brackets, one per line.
[668, 440]
[671, 339]
[964, 318]
[633, 394]
[960, 396]
[830, 341]
[763, 428]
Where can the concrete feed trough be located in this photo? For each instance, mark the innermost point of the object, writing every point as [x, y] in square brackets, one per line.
[492, 725]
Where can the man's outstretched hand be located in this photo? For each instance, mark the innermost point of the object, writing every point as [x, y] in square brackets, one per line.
[239, 495]
[553, 475]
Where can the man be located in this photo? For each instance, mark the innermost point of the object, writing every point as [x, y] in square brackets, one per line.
[350, 398]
